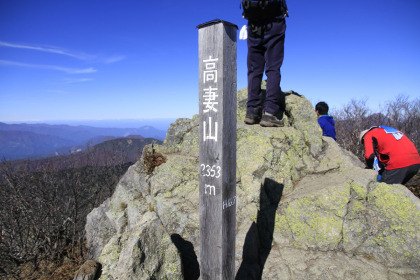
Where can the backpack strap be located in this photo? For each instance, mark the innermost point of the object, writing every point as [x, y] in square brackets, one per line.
[263, 4]
[284, 7]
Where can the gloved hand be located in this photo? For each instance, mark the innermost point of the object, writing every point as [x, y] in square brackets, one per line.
[243, 34]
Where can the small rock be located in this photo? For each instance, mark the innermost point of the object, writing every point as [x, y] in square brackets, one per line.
[87, 271]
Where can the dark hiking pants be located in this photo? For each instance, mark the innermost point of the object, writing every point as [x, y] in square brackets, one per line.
[400, 175]
[265, 50]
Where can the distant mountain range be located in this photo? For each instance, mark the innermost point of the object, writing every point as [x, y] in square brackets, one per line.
[113, 152]
[19, 141]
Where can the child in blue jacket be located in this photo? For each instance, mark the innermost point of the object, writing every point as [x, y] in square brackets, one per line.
[325, 121]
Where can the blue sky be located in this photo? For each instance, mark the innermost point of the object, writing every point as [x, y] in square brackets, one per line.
[126, 59]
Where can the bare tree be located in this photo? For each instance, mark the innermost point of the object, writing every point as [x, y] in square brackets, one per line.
[404, 114]
[43, 208]
[354, 117]
[350, 120]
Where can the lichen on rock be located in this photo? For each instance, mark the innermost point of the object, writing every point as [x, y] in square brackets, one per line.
[306, 209]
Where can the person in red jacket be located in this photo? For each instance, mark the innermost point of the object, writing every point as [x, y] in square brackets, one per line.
[394, 151]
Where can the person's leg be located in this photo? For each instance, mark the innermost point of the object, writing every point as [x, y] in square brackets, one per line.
[255, 63]
[274, 42]
[394, 176]
[411, 171]
[400, 175]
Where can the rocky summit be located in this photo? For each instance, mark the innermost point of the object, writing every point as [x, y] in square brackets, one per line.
[306, 209]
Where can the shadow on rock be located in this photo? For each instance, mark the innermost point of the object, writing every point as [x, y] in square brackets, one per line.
[290, 92]
[259, 238]
[98, 272]
[190, 266]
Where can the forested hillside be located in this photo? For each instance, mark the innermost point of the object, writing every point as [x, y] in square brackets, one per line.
[44, 203]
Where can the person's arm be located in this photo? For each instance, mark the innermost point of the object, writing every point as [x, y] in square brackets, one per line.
[321, 123]
[369, 149]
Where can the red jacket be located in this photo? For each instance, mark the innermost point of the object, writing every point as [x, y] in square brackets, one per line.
[391, 152]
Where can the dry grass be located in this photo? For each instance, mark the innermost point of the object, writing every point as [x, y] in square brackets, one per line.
[152, 159]
[414, 185]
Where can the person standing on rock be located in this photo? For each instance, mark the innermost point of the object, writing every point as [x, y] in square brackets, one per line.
[265, 33]
[394, 151]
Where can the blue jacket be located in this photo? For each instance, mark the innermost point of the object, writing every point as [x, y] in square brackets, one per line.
[328, 126]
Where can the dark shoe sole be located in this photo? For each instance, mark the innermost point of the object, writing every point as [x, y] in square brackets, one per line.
[271, 124]
[251, 121]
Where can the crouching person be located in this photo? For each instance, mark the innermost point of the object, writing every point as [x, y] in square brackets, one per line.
[395, 152]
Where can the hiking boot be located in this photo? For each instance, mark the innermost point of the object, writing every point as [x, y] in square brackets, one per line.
[271, 121]
[252, 119]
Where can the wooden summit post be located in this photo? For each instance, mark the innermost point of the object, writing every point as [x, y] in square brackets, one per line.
[217, 80]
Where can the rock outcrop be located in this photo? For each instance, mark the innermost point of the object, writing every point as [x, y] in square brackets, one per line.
[306, 209]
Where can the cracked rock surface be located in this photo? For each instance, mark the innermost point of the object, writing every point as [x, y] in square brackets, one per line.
[306, 209]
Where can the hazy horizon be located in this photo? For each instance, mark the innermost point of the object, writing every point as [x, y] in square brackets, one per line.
[158, 123]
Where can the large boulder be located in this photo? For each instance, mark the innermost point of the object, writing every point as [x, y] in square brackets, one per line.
[306, 209]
